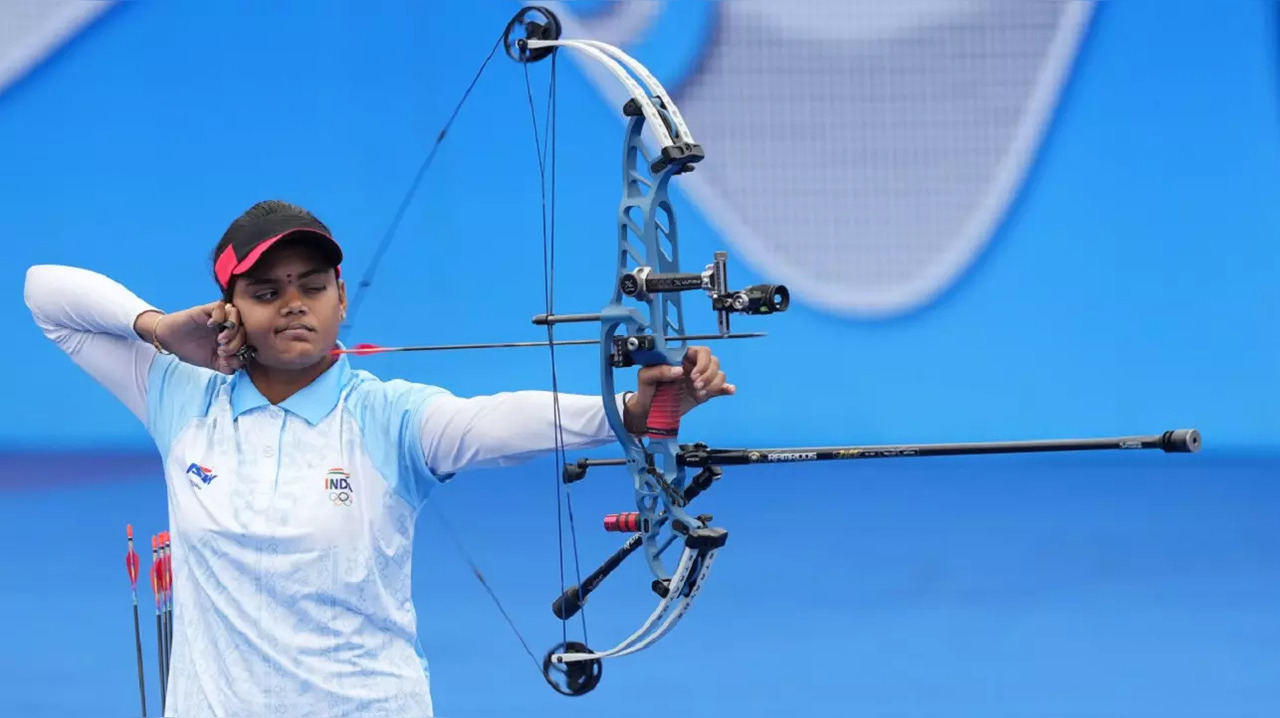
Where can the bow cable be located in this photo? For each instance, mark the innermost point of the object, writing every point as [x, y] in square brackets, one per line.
[546, 149]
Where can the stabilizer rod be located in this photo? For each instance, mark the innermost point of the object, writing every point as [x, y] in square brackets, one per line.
[570, 602]
[1177, 441]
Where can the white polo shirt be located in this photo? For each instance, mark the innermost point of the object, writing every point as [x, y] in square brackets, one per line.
[292, 525]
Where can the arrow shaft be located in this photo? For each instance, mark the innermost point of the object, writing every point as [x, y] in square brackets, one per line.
[511, 345]
[131, 565]
[137, 642]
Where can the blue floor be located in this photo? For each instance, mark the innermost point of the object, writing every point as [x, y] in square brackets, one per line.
[1100, 585]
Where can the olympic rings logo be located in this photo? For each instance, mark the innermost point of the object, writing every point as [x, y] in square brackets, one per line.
[338, 485]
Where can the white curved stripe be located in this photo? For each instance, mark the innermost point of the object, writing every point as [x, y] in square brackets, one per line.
[617, 25]
[891, 20]
[30, 31]
[655, 123]
[852, 230]
[837, 262]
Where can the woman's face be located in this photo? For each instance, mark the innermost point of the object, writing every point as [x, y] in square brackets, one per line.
[291, 305]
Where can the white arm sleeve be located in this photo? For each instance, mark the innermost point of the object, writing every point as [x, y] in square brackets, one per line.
[90, 317]
[508, 428]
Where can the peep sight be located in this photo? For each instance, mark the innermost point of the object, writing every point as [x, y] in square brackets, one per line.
[758, 299]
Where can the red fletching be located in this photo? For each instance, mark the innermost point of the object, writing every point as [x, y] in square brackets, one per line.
[155, 573]
[360, 350]
[131, 563]
[166, 573]
[131, 560]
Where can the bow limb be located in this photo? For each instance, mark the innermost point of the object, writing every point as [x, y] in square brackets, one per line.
[655, 88]
[693, 568]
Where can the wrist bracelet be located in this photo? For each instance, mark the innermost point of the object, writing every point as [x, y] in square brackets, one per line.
[626, 408]
[626, 396]
[155, 335]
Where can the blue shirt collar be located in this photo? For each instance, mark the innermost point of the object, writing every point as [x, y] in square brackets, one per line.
[313, 402]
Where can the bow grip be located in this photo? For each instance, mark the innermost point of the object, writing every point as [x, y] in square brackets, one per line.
[664, 413]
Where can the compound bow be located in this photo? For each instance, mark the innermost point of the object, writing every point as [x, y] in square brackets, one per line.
[642, 324]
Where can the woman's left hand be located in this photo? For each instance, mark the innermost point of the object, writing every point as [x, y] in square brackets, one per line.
[700, 378]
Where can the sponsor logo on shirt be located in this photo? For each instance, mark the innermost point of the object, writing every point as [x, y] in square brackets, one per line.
[338, 483]
[200, 476]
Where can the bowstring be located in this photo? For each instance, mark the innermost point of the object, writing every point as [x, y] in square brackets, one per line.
[475, 570]
[562, 460]
[385, 243]
[546, 154]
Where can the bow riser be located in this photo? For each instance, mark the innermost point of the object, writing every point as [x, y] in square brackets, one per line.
[648, 240]
[642, 324]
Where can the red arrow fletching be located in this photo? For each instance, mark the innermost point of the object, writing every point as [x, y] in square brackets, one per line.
[131, 560]
[155, 568]
[166, 566]
[360, 350]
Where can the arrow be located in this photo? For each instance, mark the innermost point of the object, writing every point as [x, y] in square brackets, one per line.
[368, 349]
[166, 584]
[156, 591]
[131, 564]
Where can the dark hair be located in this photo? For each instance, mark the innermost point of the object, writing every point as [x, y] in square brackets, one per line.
[265, 208]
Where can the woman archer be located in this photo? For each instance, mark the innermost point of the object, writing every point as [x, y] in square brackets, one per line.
[288, 602]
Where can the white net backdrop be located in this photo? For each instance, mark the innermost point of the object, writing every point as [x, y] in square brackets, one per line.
[864, 151]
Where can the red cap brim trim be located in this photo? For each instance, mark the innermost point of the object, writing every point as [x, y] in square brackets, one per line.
[226, 267]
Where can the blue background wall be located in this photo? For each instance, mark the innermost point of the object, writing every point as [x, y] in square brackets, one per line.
[1131, 289]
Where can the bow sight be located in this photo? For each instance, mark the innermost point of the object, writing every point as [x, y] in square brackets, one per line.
[642, 282]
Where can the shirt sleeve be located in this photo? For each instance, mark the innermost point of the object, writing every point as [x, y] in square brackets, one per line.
[90, 317]
[508, 428]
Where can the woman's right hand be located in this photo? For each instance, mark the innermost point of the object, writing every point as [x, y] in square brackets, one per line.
[196, 336]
